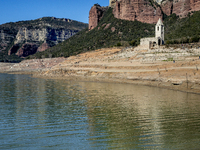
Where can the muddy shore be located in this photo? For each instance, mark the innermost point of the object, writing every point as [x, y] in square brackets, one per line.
[170, 68]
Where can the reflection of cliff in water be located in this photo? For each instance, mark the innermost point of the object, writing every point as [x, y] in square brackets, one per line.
[103, 114]
[132, 115]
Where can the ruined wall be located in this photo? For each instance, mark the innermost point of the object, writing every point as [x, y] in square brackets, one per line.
[148, 42]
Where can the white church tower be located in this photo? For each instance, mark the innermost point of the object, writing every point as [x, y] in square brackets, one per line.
[159, 31]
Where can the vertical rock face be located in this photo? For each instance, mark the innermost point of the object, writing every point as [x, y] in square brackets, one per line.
[180, 7]
[167, 7]
[140, 10]
[146, 11]
[55, 35]
[195, 5]
[39, 34]
[5, 39]
[96, 13]
[33, 37]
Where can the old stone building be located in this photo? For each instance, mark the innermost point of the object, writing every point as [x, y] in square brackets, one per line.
[154, 41]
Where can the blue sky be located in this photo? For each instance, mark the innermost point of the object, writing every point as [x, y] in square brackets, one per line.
[18, 10]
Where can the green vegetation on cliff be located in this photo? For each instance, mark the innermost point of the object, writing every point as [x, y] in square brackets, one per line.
[185, 30]
[9, 31]
[109, 32]
[115, 32]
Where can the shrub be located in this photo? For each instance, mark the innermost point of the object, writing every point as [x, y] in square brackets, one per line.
[119, 44]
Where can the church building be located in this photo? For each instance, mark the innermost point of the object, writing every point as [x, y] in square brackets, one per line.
[157, 40]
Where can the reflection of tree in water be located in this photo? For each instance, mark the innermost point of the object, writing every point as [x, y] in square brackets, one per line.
[112, 115]
[130, 116]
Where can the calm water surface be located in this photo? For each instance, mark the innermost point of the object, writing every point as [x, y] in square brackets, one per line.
[58, 114]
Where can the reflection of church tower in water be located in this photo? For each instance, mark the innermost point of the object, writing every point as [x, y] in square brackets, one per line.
[159, 31]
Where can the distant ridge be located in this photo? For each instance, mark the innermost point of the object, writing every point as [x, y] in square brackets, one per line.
[23, 38]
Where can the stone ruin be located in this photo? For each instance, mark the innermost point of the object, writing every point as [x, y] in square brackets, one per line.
[156, 41]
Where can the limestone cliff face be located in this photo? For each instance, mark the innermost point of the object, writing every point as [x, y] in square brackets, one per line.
[140, 10]
[35, 35]
[5, 39]
[38, 35]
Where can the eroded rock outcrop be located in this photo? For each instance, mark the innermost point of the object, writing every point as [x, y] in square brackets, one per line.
[140, 10]
[167, 7]
[95, 15]
[183, 7]
[180, 7]
[37, 35]
[43, 47]
[27, 49]
[44, 32]
[146, 11]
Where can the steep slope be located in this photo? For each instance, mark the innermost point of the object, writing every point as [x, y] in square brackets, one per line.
[111, 32]
[146, 11]
[27, 37]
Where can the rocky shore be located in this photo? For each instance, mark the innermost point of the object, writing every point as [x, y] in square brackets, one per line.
[172, 68]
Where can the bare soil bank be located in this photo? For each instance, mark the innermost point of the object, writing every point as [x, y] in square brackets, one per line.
[176, 69]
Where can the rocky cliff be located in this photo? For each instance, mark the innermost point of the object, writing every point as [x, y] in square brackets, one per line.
[140, 10]
[147, 11]
[27, 37]
[95, 15]
[183, 7]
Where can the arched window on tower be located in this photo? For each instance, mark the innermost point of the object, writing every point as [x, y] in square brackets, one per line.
[158, 28]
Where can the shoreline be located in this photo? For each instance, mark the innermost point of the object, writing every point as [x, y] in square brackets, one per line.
[188, 87]
[131, 65]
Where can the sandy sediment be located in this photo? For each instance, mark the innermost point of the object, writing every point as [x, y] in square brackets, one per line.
[170, 68]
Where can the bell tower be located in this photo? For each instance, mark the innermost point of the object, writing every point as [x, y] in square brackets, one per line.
[159, 31]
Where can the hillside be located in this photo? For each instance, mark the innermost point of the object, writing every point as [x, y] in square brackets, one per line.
[20, 39]
[116, 32]
[109, 32]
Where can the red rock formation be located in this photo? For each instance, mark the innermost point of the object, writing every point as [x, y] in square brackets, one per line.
[43, 47]
[140, 10]
[27, 49]
[195, 5]
[95, 15]
[144, 10]
[167, 7]
[180, 7]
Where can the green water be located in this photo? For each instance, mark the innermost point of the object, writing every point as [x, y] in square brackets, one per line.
[58, 114]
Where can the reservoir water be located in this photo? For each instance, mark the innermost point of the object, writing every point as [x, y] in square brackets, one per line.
[59, 114]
